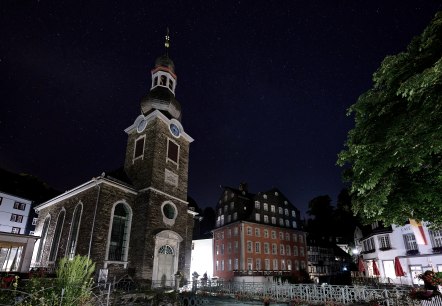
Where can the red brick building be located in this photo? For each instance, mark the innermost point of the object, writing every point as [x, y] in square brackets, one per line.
[257, 234]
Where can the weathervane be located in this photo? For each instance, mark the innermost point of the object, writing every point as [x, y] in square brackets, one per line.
[167, 42]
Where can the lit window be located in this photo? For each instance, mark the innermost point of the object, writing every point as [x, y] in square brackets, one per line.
[266, 219]
[273, 220]
[265, 196]
[272, 208]
[280, 210]
[266, 207]
[293, 214]
[257, 217]
[294, 225]
[286, 212]
[281, 222]
[257, 205]
[287, 223]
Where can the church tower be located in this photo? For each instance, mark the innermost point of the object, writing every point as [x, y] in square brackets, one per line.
[134, 222]
[157, 162]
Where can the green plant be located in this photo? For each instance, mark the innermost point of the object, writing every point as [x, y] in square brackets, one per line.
[74, 280]
[73, 285]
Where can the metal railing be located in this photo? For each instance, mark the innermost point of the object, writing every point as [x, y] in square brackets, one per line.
[285, 292]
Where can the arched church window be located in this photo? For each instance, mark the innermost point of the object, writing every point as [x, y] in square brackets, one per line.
[73, 237]
[165, 249]
[44, 234]
[119, 233]
[155, 81]
[57, 235]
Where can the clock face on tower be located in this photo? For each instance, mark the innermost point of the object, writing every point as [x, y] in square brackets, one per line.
[141, 125]
[174, 129]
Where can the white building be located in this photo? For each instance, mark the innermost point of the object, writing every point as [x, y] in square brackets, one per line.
[417, 248]
[15, 245]
[14, 213]
[202, 257]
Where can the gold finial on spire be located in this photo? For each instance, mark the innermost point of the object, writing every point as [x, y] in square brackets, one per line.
[167, 42]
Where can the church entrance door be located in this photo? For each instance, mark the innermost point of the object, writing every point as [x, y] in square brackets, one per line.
[165, 265]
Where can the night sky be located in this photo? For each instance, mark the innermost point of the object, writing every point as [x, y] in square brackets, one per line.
[264, 85]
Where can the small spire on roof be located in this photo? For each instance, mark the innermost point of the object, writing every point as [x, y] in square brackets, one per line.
[167, 42]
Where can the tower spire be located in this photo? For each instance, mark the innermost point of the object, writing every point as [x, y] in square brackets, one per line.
[167, 42]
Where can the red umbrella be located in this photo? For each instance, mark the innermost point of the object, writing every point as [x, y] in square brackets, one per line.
[375, 269]
[398, 268]
[361, 266]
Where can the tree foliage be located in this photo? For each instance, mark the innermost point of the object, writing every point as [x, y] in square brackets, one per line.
[393, 155]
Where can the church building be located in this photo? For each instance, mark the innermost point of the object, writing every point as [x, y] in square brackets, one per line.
[134, 221]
